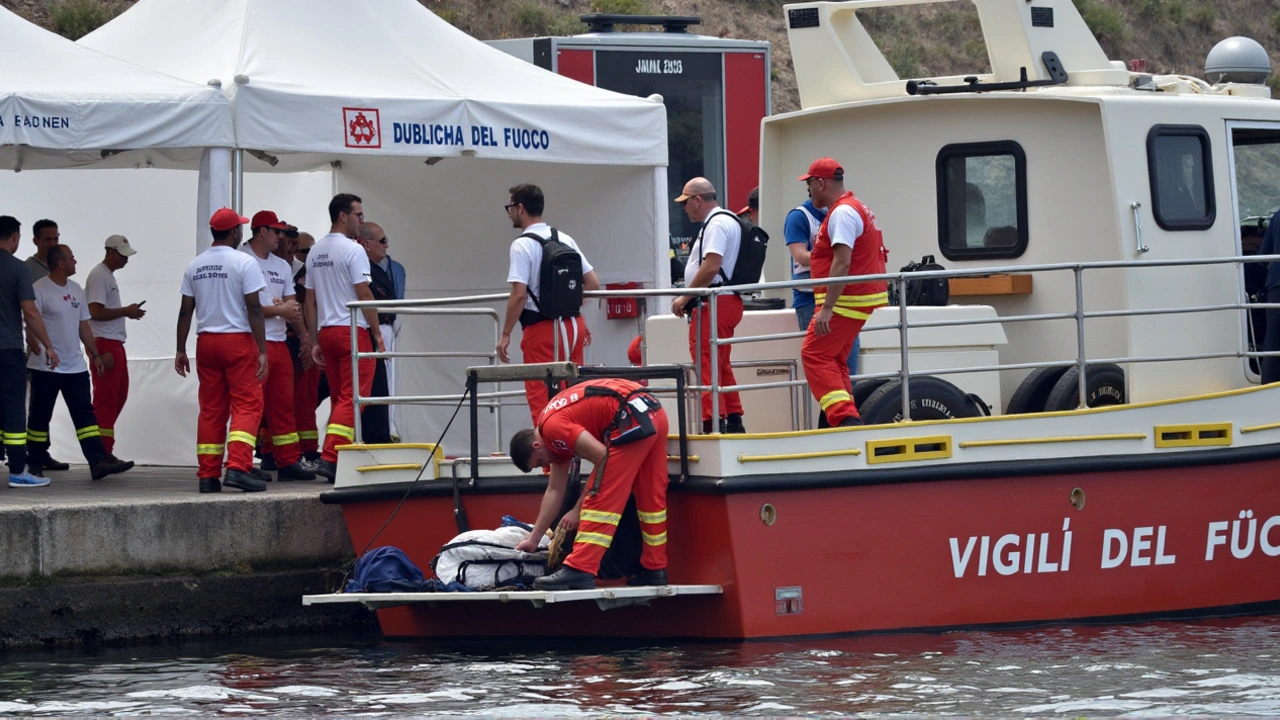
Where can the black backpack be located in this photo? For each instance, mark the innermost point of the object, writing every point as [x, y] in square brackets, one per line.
[559, 279]
[751, 252]
[930, 291]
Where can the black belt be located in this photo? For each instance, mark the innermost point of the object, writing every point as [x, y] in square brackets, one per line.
[533, 317]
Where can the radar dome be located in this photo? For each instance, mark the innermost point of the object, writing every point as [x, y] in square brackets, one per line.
[1238, 60]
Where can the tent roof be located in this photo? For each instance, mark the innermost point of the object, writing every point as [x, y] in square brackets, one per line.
[63, 104]
[335, 77]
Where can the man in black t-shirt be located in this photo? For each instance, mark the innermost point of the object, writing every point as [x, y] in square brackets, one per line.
[17, 303]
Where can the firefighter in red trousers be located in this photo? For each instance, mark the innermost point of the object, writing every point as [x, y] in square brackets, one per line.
[221, 287]
[848, 243]
[338, 273]
[622, 431]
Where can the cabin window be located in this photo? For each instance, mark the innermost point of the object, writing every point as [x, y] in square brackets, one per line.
[982, 200]
[1180, 167]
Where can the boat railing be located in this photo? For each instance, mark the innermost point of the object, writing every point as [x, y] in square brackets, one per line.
[1078, 314]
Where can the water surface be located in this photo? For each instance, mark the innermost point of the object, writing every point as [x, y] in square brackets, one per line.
[1210, 667]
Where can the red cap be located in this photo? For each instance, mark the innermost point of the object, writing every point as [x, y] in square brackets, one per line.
[633, 352]
[824, 168]
[225, 219]
[266, 218]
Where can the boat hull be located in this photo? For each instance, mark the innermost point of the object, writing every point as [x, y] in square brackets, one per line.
[921, 553]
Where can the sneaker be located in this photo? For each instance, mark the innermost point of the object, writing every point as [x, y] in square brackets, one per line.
[244, 481]
[649, 578]
[109, 466]
[566, 578]
[296, 471]
[268, 463]
[210, 485]
[327, 470]
[51, 464]
[260, 475]
[27, 479]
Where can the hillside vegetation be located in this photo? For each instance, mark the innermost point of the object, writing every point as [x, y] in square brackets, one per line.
[1173, 36]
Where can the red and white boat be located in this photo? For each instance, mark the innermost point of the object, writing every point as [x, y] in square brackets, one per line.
[1098, 214]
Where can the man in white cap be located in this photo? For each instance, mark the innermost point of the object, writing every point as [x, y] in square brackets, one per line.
[107, 316]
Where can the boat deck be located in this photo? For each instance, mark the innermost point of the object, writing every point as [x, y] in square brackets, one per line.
[606, 598]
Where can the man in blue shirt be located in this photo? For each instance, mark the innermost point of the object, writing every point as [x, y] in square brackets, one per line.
[800, 229]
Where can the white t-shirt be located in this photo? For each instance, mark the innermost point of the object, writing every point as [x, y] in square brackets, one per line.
[335, 265]
[276, 274]
[218, 279]
[526, 260]
[722, 235]
[844, 226]
[62, 308]
[101, 287]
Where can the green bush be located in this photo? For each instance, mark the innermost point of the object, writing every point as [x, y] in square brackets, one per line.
[1275, 22]
[1176, 10]
[620, 7]
[1106, 23]
[531, 18]
[1150, 8]
[73, 19]
[905, 58]
[1204, 16]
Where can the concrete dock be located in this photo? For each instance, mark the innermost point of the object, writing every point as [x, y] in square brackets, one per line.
[144, 556]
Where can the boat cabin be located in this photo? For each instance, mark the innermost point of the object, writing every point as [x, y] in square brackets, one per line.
[1055, 154]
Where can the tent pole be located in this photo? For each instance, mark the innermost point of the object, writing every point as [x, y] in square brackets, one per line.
[237, 180]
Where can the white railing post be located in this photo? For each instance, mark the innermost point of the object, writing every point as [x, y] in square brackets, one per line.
[714, 339]
[355, 373]
[1081, 367]
[904, 373]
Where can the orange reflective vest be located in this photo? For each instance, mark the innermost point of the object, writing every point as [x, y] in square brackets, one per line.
[856, 300]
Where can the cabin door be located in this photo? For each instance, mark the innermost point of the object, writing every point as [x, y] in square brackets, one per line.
[1255, 193]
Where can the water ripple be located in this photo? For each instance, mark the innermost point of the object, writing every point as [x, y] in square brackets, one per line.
[1157, 669]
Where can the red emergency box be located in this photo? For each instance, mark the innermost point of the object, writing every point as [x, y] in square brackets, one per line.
[620, 308]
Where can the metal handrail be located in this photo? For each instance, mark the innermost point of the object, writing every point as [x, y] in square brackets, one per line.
[413, 307]
[1078, 315]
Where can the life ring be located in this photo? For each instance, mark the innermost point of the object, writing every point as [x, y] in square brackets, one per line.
[1104, 385]
[932, 398]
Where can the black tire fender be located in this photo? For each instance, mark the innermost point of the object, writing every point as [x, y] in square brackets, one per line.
[862, 389]
[1033, 392]
[932, 398]
[1104, 385]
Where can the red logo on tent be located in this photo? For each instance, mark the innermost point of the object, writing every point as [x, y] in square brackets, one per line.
[362, 126]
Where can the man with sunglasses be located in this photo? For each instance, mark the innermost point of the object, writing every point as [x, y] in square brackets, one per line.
[538, 333]
[279, 308]
[338, 273]
[711, 262]
[378, 426]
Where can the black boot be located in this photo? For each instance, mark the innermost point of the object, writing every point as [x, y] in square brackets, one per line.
[295, 472]
[109, 465]
[649, 577]
[734, 424]
[210, 485]
[243, 481]
[268, 462]
[566, 578]
[327, 470]
[260, 474]
[850, 422]
[706, 427]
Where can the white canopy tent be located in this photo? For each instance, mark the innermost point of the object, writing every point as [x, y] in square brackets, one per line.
[431, 128]
[65, 105]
